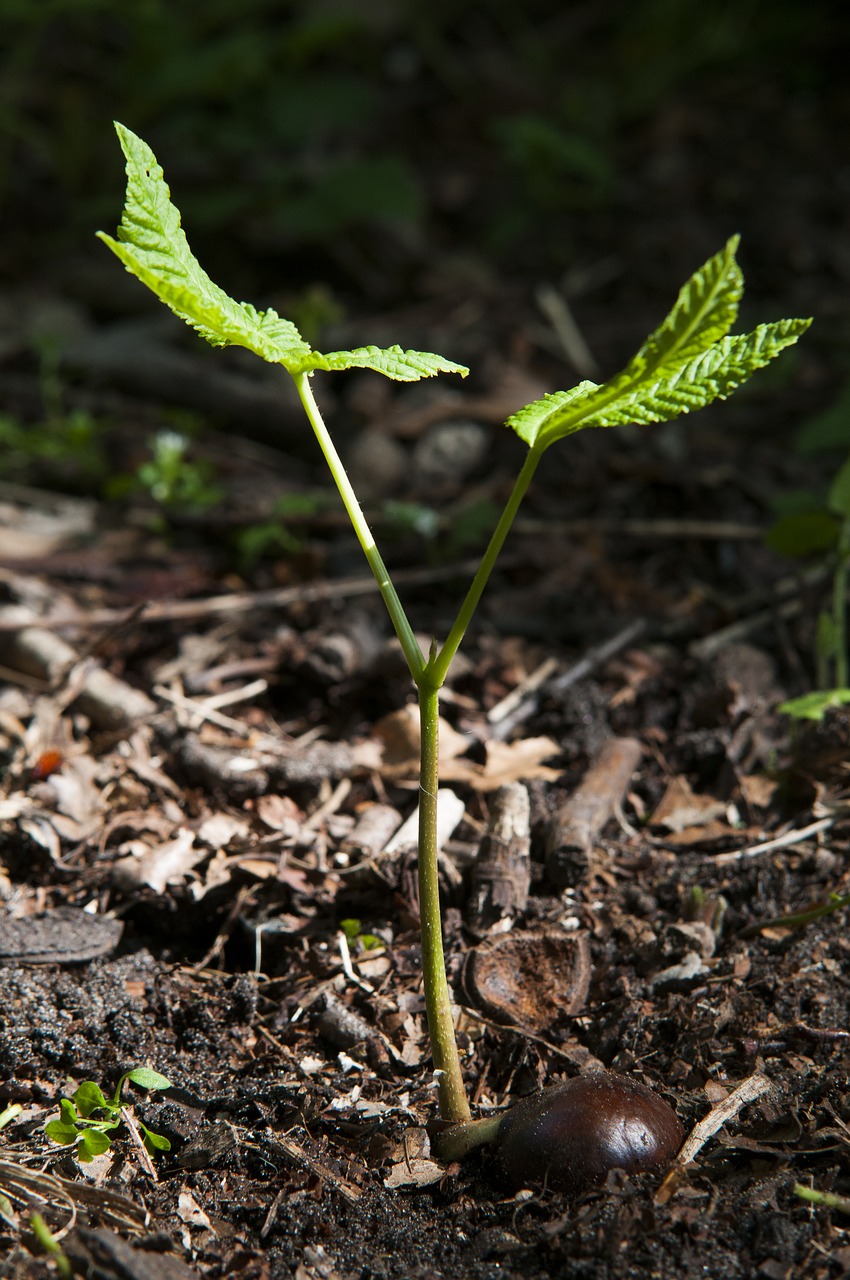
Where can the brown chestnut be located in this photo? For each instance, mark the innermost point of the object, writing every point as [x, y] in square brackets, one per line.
[569, 1136]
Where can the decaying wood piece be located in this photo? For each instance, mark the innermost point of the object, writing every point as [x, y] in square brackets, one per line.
[32, 650]
[250, 770]
[102, 1253]
[575, 827]
[501, 873]
[374, 828]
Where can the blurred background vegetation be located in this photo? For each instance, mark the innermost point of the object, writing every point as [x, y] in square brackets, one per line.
[350, 162]
[369, 138]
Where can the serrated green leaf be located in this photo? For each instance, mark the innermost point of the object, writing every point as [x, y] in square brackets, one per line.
[393, 362]
[528, 421]
[676, 387]
[63, 1134]
[154, 248]
[146, 1078]
[704, 312]
[89, 1097]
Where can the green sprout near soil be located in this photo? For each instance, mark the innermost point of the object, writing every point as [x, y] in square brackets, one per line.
[689, 361]
[825, 1199]
[79, 1125]
[827, 529]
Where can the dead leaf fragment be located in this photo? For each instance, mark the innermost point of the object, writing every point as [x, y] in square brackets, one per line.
[681, 808]
[168, 863]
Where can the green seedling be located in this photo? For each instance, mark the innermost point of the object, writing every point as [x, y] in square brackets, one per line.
[353, 930]
[49, 1244]
[8, 1114]
[689, 361]
[79, 1125]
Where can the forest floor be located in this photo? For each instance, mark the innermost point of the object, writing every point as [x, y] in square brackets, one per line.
[207, 762]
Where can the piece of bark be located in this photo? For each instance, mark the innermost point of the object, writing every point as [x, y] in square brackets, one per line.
[235, 771]
[63, 936]
[573, 830]
[107, 1256]
[501, 873]
[374, 827]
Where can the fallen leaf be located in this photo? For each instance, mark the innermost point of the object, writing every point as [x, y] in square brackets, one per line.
[680, 807]
[168, 863]
[506, 762]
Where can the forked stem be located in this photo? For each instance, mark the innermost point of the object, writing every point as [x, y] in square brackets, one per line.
[429, 677]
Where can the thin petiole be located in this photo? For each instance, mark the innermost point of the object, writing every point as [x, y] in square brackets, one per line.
[404, 631]
[438, 667]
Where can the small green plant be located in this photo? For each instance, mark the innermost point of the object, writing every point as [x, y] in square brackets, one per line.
[823, 527]
[173, 478]
[79, 1125]
[353, 930]
[690, 360]
[274, 535]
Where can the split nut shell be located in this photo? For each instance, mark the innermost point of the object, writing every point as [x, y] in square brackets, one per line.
[570, 1136]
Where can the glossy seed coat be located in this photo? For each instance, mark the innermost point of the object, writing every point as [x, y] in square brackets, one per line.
[570, 1136]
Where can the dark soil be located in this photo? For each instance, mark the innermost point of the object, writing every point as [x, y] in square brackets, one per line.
[269, 960]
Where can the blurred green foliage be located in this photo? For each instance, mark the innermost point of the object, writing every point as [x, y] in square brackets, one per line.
[289, 122]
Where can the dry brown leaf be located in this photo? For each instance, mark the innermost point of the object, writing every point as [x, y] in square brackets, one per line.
[168, 863]
[506, 762]
[681, 808]
[399, 736]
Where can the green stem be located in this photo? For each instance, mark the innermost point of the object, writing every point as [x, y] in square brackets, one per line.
[429, 677]
[454, 1106]
[404, 631]
[438, 665]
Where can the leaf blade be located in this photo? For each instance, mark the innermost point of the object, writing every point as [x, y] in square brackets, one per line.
[153, 246]
[683, 385]
[704, 312]
[393, 362]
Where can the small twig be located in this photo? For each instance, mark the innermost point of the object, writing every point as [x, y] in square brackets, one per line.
[330, 806]
[557, 311]
[574, 828]
[529, 685]
[202, 710]
[298, 1156]
[533, 693]
[232, 696]
[133, 1129]
[790, 838]
[598, 655]
[235, 602]
[348, 967]
[720, 1114]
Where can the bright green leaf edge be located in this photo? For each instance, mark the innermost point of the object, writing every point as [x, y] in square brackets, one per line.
[153, 247]
[684, 364]
[814, 706]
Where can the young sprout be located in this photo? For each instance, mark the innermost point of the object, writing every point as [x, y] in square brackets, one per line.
[690, 360]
